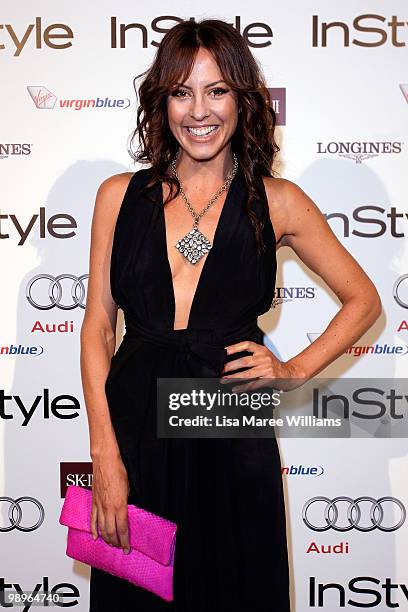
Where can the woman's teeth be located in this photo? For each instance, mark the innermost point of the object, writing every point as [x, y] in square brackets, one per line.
[202, 131]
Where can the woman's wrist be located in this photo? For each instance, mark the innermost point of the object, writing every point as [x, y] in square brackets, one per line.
[296, 369]
[104, 446]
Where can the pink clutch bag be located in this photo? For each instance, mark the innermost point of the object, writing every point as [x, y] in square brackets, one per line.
[152, 539]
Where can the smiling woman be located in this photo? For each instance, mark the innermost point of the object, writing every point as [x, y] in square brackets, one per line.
[191, 299]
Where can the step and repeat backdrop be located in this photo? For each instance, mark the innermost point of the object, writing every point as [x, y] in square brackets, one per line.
[338, 80]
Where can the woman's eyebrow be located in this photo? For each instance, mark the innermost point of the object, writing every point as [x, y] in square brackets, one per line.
[208, 84]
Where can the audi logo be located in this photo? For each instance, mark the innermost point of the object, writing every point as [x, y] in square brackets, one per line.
[396, 291]
[331, 513]
[53, 297]
[15, 513]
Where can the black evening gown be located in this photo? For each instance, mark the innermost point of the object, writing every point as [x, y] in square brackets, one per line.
[225, 494]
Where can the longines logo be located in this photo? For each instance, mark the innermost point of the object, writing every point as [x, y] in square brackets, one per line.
[359, 150]
[37, 35]
[14, 149]
[369, 24]
[288, 294]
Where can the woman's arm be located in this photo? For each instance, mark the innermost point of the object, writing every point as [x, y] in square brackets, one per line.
[298, 223]
[98, 339]
[303, 227]
[98, 331]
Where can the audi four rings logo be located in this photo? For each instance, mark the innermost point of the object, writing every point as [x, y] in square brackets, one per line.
[377, 514]
[49, 290]
[396, 291]
[15, 513]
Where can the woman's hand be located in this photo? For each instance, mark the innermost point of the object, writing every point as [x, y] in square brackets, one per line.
[262, 364]
[110, 490]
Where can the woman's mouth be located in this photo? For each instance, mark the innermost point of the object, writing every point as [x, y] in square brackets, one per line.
[204, 133]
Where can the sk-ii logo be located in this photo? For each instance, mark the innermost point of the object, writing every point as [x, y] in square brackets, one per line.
[277, 96]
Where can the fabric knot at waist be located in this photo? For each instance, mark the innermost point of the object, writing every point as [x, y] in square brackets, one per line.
[204, 348]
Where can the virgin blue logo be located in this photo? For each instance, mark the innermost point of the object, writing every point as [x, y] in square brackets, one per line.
[43, 98]
[303, 470]
[20, 349]
[396, 350]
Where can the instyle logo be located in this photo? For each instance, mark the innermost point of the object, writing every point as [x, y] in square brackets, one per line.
[400, 291]
[35, 35]
[75, 473]
[67, 593]
[14, 149]
[343, 513]
[390, 594]
[45, 291]
[40, 224]
[62, 407]
[300, 470]
[396, 350]
[358, 151]
[289, 294]
[377, 222]
[20, 513]
[43, 98]
[256, 34]
[375, 402]
[376, 30]
[15, 350]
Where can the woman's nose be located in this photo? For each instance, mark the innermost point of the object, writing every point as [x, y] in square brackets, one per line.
[199, 108]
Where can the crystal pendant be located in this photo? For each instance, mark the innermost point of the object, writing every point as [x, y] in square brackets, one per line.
[193, 245]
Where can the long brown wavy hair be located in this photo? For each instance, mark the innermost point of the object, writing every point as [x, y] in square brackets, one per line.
[253, 140]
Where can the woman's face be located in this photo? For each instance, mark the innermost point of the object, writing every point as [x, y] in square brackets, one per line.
[204, 100]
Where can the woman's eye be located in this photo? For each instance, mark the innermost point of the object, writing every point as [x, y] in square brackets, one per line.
[179, 91]
[219, 90]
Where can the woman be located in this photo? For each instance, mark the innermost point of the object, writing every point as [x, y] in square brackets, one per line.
[204, 123]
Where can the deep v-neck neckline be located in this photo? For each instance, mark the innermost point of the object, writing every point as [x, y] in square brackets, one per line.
[208, 257]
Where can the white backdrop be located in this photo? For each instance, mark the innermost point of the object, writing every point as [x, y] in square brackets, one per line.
[343, 96]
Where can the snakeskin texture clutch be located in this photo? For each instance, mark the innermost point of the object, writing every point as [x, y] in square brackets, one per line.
[152, 539]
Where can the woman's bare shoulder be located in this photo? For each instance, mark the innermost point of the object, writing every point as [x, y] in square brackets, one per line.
[110, 195]
[289, 208]
[115, 185]
[276, 193]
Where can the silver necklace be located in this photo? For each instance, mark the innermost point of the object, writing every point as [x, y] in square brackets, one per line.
[195, 244]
